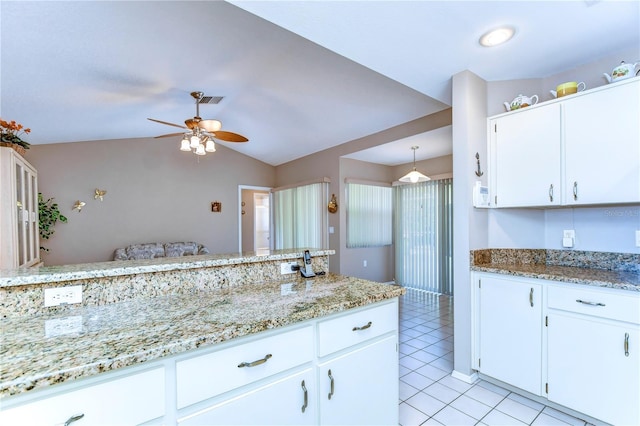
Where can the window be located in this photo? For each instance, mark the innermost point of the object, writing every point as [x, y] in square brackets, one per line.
[369, 215]
[300, 216]
[424, 236]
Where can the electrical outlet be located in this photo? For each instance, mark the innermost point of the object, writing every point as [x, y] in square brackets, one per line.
[364, 263]
[638, 238]
[285, 268]
[62, 295]
[568, 238]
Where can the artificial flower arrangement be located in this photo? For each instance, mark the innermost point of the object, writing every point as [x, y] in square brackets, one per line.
[10, 134]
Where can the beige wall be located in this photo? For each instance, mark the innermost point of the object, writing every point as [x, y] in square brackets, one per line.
[155, 193]
[380, 260]
[327, 164]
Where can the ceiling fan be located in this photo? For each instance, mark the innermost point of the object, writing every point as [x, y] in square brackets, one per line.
[200, 133]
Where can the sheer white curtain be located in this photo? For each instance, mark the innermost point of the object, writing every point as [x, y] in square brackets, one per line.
[369, 215]
[424, 236]
[300, 216]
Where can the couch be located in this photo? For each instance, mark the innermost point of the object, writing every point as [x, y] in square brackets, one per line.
[155, 250]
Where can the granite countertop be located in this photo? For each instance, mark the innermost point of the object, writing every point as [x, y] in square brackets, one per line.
[129, 333]
[51, 274]
[612, 270]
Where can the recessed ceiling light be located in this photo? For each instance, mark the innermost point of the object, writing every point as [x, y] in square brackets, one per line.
[497, 36]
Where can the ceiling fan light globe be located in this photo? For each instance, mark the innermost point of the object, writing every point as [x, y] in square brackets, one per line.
[210, 125]
[184, 145]
[195, 141]
[210, 146]
[200, 150]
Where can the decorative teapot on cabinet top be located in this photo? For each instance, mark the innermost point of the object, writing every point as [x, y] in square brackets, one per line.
[521, 101]
[622, 71]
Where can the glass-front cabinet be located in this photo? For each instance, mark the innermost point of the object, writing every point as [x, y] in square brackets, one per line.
[19, 235]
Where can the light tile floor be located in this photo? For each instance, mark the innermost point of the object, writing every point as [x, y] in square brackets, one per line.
[429, 395]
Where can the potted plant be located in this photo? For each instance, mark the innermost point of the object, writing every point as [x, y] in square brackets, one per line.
[10, 135]
[48, 215]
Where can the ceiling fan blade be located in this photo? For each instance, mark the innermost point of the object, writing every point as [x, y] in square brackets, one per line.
[168, 124]
[229, 136]
[168, 135]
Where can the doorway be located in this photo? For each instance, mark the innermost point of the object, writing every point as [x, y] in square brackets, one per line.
[254, 219]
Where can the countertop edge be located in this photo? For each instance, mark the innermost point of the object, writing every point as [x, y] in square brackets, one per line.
[52, 274]
[512, 270]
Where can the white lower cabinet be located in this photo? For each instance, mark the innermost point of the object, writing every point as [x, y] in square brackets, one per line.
[511, 331]
[130, 400]
[361, 387]
[288, 401]
[593, 357]
[587, 343]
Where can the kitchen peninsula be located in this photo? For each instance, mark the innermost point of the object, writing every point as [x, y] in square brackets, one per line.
[199, 340]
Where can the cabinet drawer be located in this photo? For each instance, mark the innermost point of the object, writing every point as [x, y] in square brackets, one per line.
[604, 304]
[277, 403]
[351, 329]
[209, 375]
[129, 400]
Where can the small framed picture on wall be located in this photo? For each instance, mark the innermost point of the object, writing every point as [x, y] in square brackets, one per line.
[216, 206]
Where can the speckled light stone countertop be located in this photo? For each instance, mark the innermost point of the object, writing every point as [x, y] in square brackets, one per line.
[612, 270]
[51, 274]
[129, 333]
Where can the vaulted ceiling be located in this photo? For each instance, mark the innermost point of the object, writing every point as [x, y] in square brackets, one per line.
[297, 77]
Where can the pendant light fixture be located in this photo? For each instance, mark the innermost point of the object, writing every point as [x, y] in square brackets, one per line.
[414, 176]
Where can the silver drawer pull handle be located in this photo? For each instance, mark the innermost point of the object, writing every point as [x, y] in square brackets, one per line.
[73, 418]
[586, 302]
[306, 397]
[575, 191]
[254, 363]
[364, 327]
[626, 344]
[551, 193]
[531, 297]
[331, 379]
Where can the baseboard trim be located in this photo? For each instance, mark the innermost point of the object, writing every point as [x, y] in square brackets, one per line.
[471, 379]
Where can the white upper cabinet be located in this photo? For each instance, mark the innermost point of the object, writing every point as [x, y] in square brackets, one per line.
[602, 145]
[526, 151]
[580, 150]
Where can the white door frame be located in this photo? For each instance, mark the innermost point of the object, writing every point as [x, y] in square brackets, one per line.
[239, 204]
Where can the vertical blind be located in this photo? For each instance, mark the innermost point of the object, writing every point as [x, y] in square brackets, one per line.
[369, 215]
[424, 236]
[300, 216]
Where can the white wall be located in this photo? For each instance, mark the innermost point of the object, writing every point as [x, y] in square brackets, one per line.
[597, 228]
[470, 226]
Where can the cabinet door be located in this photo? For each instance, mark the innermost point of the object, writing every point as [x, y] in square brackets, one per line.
[589, 371]
[361, 387]
[27, 201]
[290, 401]
[129, 400]
[19, 233]
[602, 143]
[510, 345]
[526, 158]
